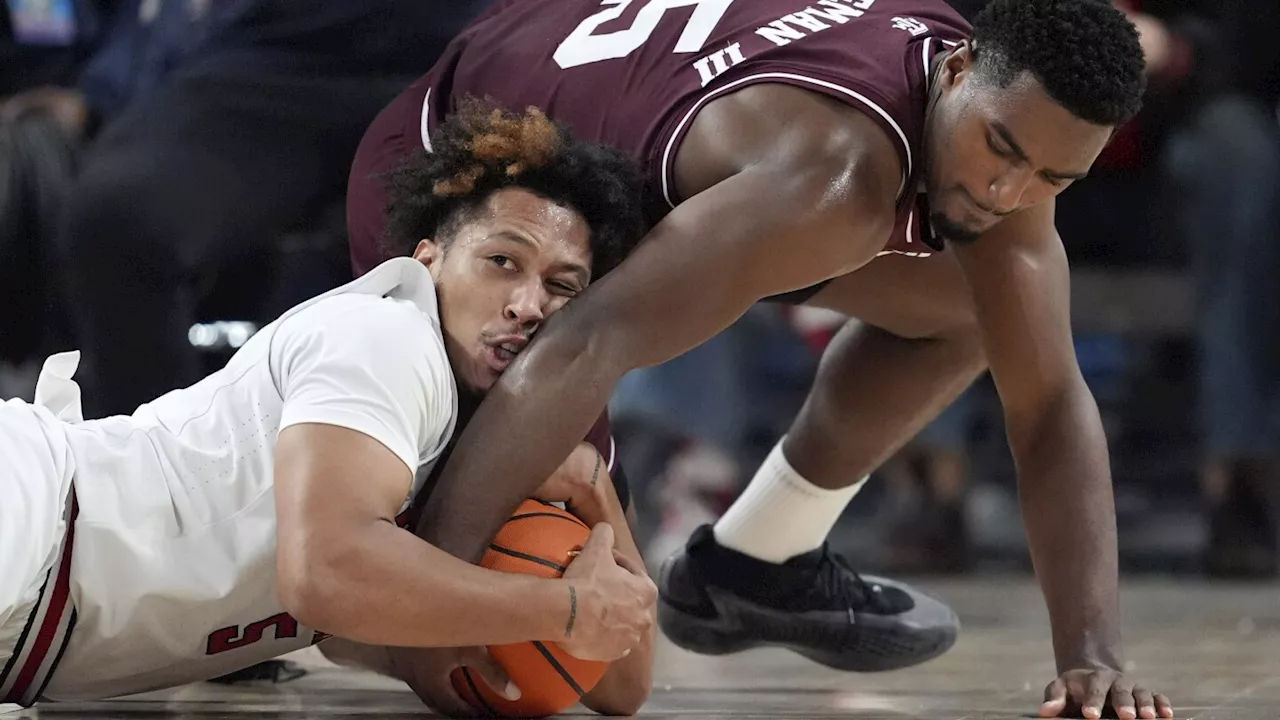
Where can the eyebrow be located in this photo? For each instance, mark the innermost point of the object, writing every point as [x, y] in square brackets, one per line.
[580, 270]
[1021, 154]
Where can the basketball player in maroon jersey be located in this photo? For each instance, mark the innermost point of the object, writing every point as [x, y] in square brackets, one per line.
[878, 157]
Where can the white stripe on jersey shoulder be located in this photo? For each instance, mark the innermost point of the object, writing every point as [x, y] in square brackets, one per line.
[666, 153]
[927, 59]
[426, 124]
[613, 453]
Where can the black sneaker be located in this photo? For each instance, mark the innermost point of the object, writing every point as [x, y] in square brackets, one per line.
[715, 601]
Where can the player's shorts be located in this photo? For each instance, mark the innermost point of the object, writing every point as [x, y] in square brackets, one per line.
[36, 516]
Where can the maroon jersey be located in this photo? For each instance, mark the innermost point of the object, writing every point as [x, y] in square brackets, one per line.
[633, 74]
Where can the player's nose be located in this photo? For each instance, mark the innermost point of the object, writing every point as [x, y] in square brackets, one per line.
[527, 305]
[1005, 193]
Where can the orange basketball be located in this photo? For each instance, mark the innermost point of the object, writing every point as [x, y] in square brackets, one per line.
[537, 540]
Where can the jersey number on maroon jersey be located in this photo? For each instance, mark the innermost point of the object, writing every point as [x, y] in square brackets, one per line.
[584, 47]
[231, 638]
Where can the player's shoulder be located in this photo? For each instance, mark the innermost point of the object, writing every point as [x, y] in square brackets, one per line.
[389, 315]
[364, 318]
[397, 296]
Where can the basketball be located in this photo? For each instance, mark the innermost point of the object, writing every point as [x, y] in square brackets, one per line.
[537, 540]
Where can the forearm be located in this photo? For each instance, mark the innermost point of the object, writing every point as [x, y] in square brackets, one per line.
[1068, 507]
[382, 586]
[626, 686]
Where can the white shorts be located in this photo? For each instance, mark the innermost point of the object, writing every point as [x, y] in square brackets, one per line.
[36, 514]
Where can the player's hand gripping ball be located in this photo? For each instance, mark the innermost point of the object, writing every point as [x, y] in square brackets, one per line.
[539, 539]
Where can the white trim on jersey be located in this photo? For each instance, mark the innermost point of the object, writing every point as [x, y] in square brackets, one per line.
[882, 253]
[613, 453]
[48, 628]
[666, 153]
[425, 127]
[927, 57]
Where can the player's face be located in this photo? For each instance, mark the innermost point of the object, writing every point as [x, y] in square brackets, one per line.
[995, 150]
[501, 276]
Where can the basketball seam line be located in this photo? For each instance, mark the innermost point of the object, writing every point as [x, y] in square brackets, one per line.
[573, 520]
[466, 673]
[568, 678]
[531, 558]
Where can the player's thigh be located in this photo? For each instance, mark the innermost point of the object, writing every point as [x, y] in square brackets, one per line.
[912, 297]
[34, 483]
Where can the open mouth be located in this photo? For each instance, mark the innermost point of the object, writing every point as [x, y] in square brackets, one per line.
[501, 355]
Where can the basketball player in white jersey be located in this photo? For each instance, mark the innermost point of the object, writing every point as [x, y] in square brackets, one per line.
[255, 512]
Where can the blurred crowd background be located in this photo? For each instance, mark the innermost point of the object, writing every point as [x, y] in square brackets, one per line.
[172, 176]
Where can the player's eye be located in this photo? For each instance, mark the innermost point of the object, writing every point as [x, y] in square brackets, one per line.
[502, 261]
[996, 148]
[563, 288]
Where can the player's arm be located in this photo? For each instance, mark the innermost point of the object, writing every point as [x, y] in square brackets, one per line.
[785, 188]
[346, 569]
[362, 394]
[583, 481]
[1020, 281]
[627, 684]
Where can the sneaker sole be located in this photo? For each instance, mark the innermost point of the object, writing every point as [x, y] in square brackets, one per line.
[872, 644]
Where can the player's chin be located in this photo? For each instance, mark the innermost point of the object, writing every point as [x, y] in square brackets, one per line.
[487, 378]
[963, 230]
[478, 378]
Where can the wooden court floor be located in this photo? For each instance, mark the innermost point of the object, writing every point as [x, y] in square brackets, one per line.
[1214, 649]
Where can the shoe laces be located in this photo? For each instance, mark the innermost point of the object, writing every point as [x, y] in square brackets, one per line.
[838, 579]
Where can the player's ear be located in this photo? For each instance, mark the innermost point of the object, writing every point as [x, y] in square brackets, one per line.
[429, 252]
[958, 64]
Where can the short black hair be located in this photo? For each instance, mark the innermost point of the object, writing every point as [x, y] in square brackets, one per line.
[1085, 53]
[482, 148]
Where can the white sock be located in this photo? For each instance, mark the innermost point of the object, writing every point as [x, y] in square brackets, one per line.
[781, 515]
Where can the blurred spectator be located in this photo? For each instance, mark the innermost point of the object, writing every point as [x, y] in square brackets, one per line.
[1224, 162]
[41, 45]
[213, 128]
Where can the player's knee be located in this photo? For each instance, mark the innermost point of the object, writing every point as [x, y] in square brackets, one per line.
[959, 329]
[967, 341]
[951, 320]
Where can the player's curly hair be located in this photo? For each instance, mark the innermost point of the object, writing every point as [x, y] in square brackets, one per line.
[1084, 52]
[482, 148]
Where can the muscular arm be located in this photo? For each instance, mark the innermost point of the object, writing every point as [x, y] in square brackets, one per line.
[627, 684]
[345, 569]
[785, 189]
[1020, 282]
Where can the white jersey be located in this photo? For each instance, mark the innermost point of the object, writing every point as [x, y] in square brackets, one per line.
[170, 574]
